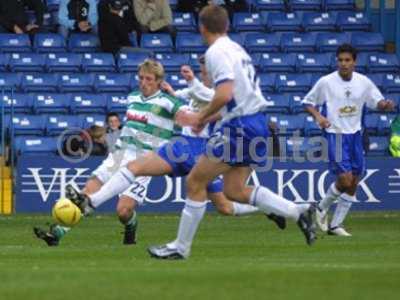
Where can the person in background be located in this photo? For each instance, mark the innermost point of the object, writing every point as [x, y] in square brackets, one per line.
[77, 16]
[113, 129]
[91, 141]
[14, 19]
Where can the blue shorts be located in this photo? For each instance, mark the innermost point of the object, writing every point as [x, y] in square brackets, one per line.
[347, 157]
[182, 154]
[241, 141]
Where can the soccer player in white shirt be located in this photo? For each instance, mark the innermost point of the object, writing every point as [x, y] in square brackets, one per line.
[342, 96]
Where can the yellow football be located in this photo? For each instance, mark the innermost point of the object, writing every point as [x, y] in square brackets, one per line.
[66, 213]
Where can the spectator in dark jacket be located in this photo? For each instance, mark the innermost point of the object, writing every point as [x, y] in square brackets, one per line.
[13, 16]
[77, 16]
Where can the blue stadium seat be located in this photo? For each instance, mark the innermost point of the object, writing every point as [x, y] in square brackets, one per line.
[384, 63]
[396, 99]
[246, 21]
[319, 21]
[371, 123]
[113, 83]
[237, 37]
[284, 21]
[256, 59]
[10, 81]
[362, 62]
[88, 104]
[318, 62]
[52, 103]
[329, 41]
[83, 43]
[76, 82]
[277, 62]
[288, 124]
[57, 124]
[176, 81]
[4, 59]
[391, 83]
[90, 120]
[300, 146]
[269, 5]
[378, 146]
[135, 81]
[117, 103]
[306, 4]
[384, 122]
[15, 42]
[293, 83]
[298, 42]
[160, 42]
[368, 41]
[52, 5]
[354, 21]
[378, 79]
[184, 21]
[278, 103]
[311, 127]
[29, 125]
[129, 62]
[35, 144]
[27, 62]
[49, 23]
[172, 62]
[262, 42]
[39, 82]
[64, 62]
[190, 43]
[194, 61]
[17, 103]
[267, 82]
[98, 62]
[340, 4]
[296, 106]
[49, 43]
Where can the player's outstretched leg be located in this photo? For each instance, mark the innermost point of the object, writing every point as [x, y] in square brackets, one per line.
[52, 236]
[79, 199]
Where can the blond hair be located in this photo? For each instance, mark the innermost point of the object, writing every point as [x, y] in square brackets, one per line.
[152, 67]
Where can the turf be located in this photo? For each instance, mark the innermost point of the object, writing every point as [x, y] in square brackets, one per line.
[232, 258]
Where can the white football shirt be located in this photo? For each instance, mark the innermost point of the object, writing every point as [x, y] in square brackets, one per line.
[344, 100]
[228, 61]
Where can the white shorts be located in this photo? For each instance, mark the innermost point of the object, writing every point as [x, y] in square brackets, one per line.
[116, 160]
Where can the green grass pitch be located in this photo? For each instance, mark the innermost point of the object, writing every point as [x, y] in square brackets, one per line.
[232, 258]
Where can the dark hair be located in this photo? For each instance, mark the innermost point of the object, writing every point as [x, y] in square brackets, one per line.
[214, 18]
[111, 114]
[202, 59]
[347, 48]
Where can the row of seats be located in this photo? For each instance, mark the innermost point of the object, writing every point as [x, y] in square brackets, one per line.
[193, 43]
[283, 5]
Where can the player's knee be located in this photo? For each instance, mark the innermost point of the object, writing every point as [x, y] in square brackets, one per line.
[193, 184]
[124, 213]
[345, 182]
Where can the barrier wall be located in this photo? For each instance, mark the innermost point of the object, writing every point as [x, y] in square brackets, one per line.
[42, 179]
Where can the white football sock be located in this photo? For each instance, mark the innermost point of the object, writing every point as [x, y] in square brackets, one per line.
[331, 195]
[191, 216]
[342, 209]
[269, 202]
[118, 183]
[240, 209]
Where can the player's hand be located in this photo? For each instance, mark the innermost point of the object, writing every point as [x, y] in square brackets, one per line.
[187, 73]
[166, 87]
[17, 29]
[386, 105]
[185, 117]
[323, 122]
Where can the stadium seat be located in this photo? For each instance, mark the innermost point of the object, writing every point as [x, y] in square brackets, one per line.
[277, 21]
[15, 42]
[90, 120]
[176, 81]
[64, 62]
[190, 43]
[76, 82]
[49, 23]
[277, 62]
[129, 62]
[391, 83]
[278, 103]
[340, 4]
[353, 21]
[27, 62]
[98, 62]
[314, 5]
[368, 41]
[49, 43]
[4, 59]
[57, 124]
[319, 21]
[396, 99]
[237, 37]
[184, 21]
[160, 42]
[269, 5]
[311, 127]
[39, 82]
[29, 125]
[35, 144]
[378, 79]
[378, 146]
[383, 63]
[117, 103]
[113, 83]
[361, 64]
[371, 123]
[194, 61]
[298, 42]
[83, 43]
[10, 81]
[288, 124]
[262, 42]
[246, 21]
[52, 5]
[88, 104]
[172, 62]
[384, 122]
[296, 106]
[318, 62]
[329, 41]
[16, 103]
[293, 83]
[297, 146]
[267, 82]
[51, 103]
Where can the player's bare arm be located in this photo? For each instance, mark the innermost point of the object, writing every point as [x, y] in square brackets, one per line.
[320, 119]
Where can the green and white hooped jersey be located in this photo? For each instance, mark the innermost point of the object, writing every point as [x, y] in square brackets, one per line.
[149, 121]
